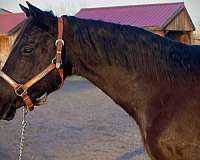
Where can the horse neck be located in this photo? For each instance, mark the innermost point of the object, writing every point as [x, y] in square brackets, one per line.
[114, 80]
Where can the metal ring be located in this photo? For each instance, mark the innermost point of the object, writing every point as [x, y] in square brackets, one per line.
[53, 60]
[17, 89]
[59, 40]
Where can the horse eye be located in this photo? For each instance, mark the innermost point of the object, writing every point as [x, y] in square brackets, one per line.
[28, 50]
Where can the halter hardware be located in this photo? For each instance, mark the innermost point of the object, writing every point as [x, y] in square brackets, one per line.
[20, 91]
[59, 40]
[56, 63]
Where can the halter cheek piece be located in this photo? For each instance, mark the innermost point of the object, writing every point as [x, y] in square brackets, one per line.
[21, 89]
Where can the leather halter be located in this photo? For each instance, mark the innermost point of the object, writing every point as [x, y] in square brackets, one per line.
[21, 89]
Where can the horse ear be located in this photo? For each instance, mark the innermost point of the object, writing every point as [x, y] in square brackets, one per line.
[42, 18]
[35, 12]
[25, 10]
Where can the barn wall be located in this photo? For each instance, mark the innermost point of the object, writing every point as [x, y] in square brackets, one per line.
[160, 33]
[155, 29]
[5, 46]
[181, 22]
[196, 41]
[196, 37]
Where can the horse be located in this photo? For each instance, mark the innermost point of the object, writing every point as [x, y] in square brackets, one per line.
[154, 79]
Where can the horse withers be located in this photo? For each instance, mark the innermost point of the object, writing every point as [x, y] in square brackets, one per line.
[154, 79]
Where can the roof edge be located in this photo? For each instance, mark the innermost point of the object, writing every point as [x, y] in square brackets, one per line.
[172, 16]
[4, 11]
[8, 14]
[137, 5]
[194, 28]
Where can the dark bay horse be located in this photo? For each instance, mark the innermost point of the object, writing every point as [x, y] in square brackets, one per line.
[155, 80]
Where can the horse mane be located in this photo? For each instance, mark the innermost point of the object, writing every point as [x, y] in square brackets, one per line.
[136, 49]
[132, 48]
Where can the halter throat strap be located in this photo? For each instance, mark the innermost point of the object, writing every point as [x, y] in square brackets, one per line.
[21, 89]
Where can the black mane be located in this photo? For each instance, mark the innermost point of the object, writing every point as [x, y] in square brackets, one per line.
[136, 49]
[133, 48]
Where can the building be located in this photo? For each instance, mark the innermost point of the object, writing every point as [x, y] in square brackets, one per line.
[4, 11]
[7, 22]
[196, 37]
[168, 19]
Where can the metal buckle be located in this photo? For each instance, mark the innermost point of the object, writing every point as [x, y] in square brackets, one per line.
[59, 40]
[20, 93]
[58, 65]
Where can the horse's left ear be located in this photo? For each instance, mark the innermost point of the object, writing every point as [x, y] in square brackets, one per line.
[34, 11]
[45, 19]
[25, 10]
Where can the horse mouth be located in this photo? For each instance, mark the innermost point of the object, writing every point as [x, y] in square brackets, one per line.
[41, 100]
[9, 110]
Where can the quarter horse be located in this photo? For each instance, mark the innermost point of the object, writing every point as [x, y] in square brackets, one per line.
[155, 80]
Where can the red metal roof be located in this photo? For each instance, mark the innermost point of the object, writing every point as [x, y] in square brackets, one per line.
[10, 20]
[134, 15]
[4, 11]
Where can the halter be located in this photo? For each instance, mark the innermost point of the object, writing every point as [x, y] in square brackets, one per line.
[21, 89]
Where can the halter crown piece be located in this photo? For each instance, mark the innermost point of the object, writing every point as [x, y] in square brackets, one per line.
[21, 89]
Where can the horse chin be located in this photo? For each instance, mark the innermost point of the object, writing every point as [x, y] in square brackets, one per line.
[10, 109]
[9, 113]
[41, 100]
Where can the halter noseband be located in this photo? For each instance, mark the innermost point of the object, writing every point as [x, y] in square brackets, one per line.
[21, 89]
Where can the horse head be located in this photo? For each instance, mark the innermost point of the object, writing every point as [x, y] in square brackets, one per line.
[33, 50]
